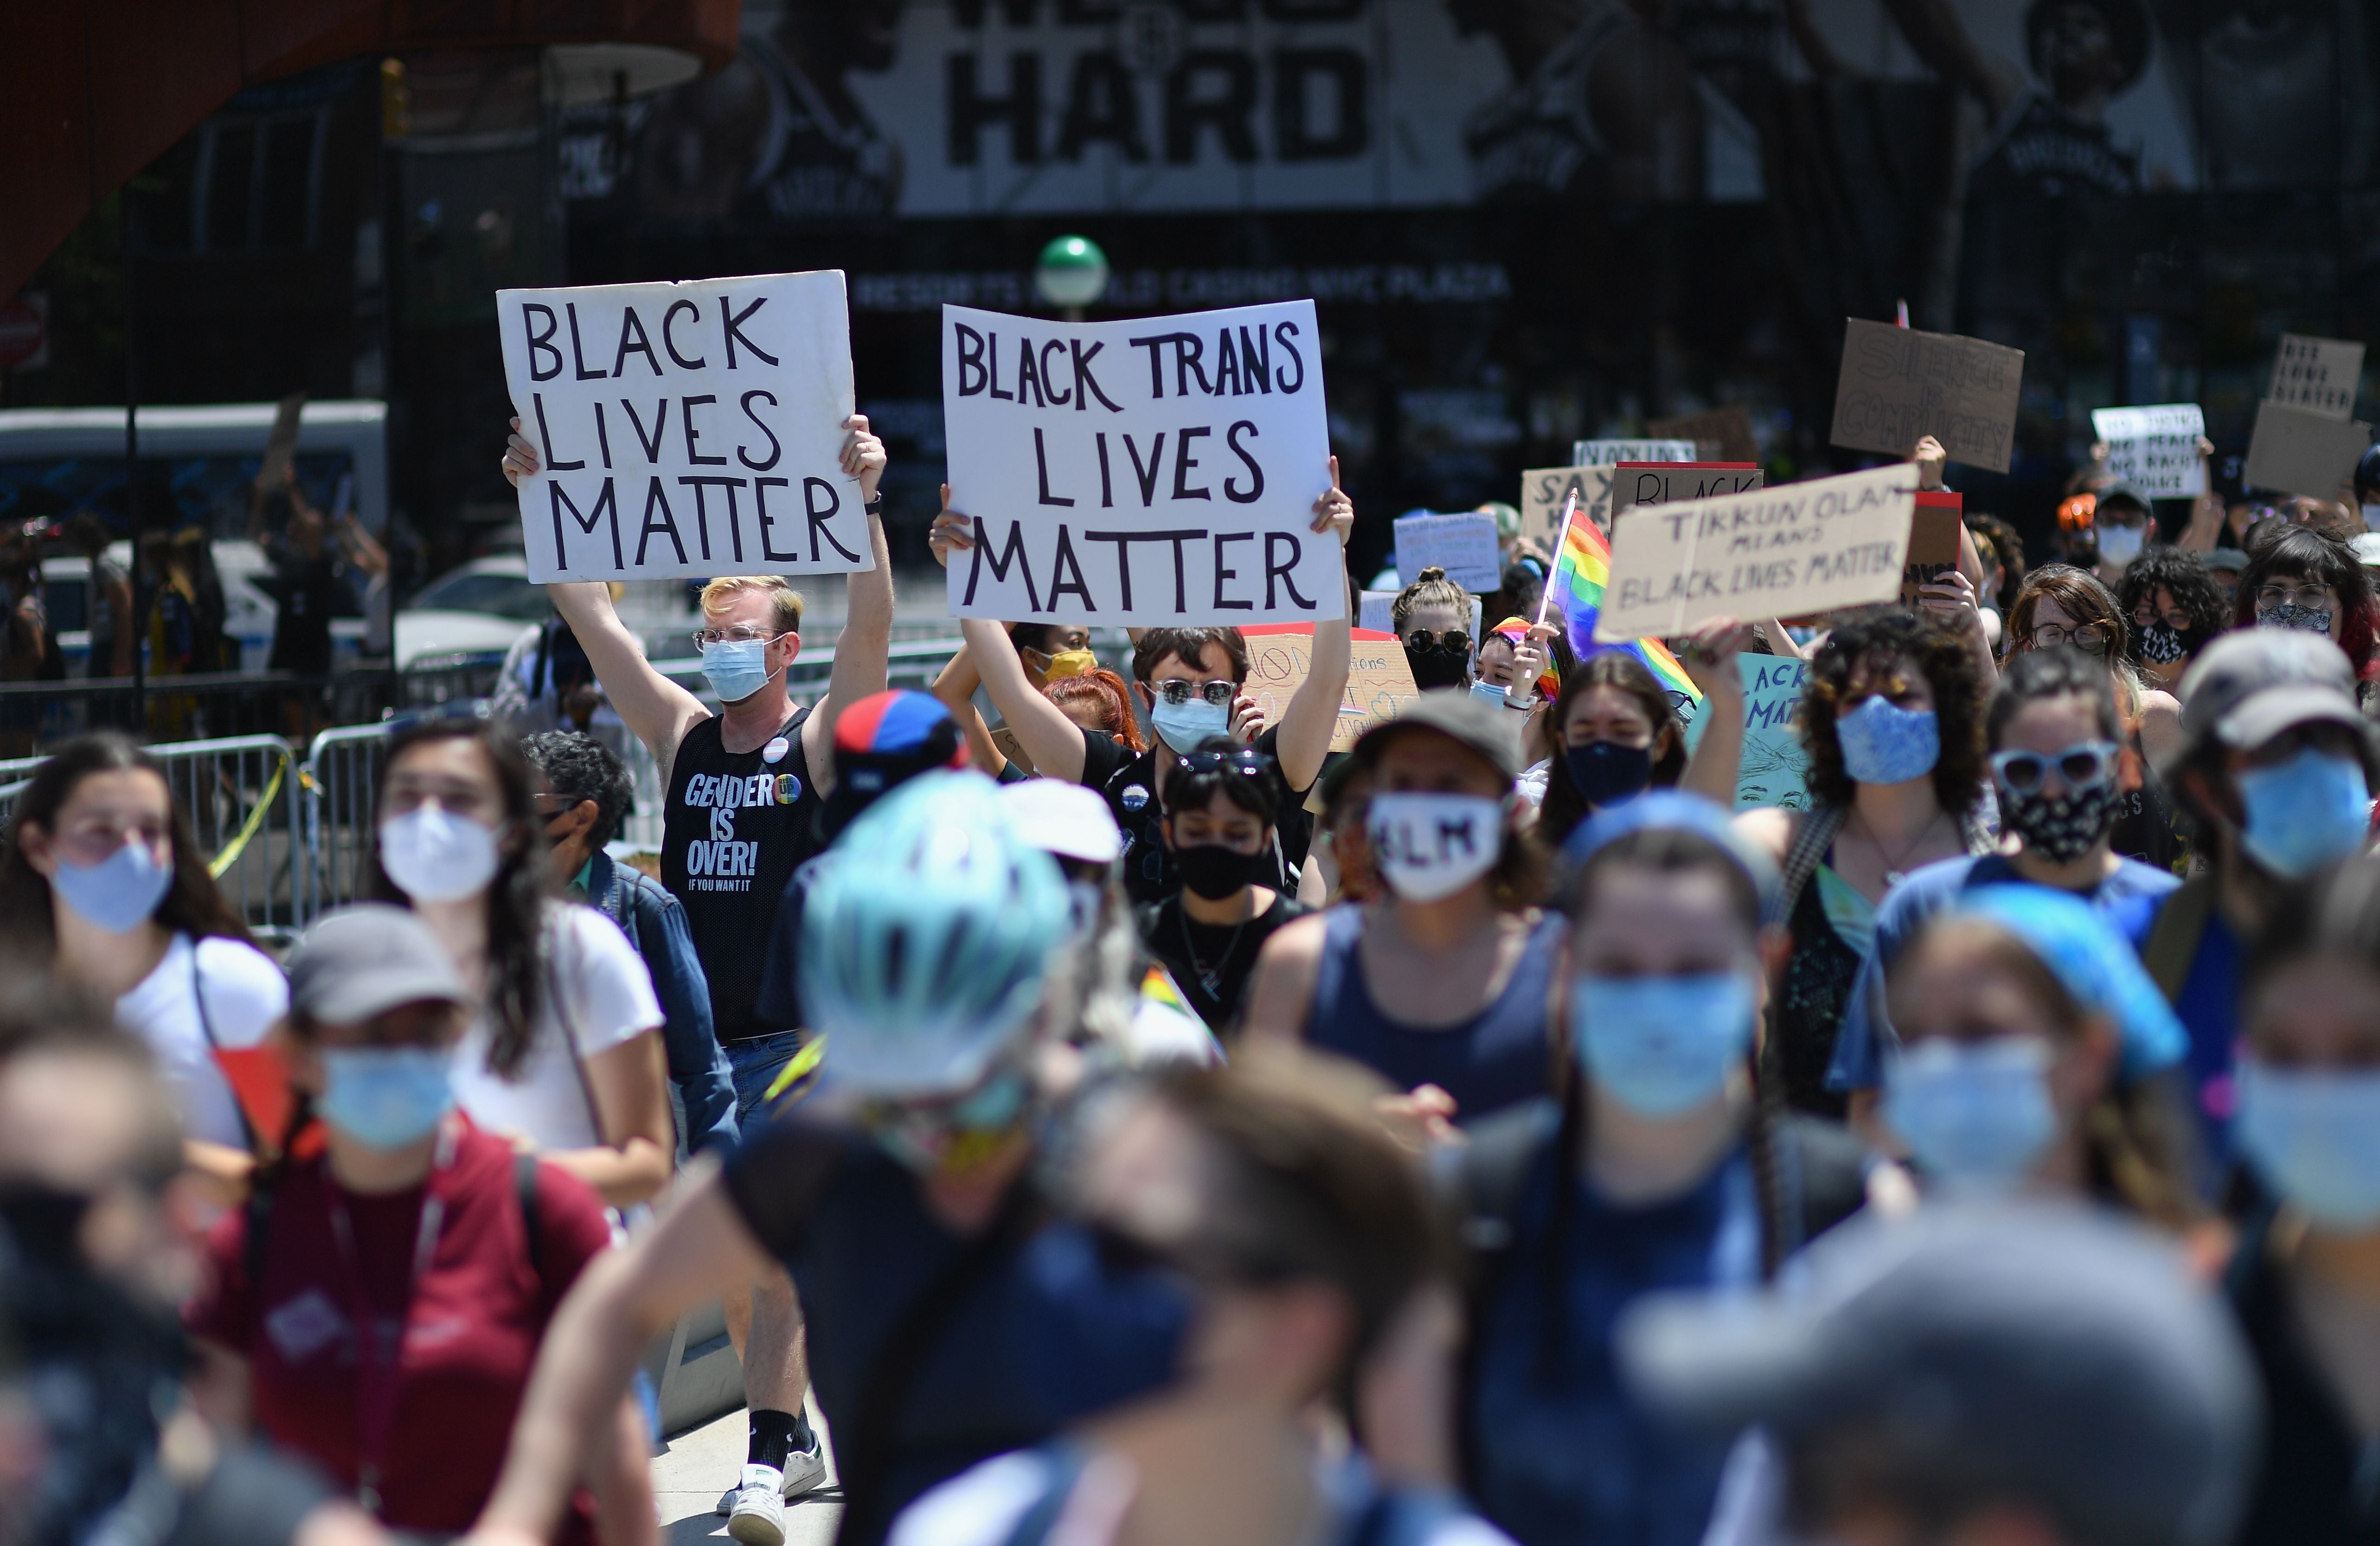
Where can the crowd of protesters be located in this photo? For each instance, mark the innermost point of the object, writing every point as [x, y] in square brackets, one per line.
[1135, 1121]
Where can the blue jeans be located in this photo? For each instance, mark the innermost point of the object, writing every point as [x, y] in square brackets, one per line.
[757, 1064]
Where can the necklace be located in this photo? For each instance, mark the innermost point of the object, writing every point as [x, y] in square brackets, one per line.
[1212, 982]
[1896, 867]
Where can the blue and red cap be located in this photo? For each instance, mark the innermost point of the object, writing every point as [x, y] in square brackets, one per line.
[883, 740]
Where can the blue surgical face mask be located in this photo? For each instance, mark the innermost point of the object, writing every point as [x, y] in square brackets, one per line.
[1662, 1046]
[2314, 1136]
[386, 1097]
[2305, 812]
[1972, 1113]
[1883, 743]
[737, 668]
[119, 892]
[1186, 723]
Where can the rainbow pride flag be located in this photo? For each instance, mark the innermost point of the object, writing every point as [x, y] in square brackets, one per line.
[1581, 571]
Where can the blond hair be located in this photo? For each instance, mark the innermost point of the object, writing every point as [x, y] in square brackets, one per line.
[719, 592]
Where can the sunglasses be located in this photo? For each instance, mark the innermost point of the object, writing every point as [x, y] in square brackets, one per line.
[1177, 691]
[2084, 765]
[1455, 642]
[1254, 764]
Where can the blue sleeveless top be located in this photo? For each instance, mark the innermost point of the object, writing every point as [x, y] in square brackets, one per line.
[1495, 1059]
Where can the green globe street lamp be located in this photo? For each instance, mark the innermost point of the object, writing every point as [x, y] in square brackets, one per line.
[1071, 274]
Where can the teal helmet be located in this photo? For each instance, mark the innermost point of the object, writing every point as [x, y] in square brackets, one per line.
[925, 936]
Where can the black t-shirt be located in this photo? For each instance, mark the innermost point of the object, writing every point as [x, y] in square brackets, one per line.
[2309, 1491]
[1211, 962]
[1130, 785]
[734, 828]
[307, 591]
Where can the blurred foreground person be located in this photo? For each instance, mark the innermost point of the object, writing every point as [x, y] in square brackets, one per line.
[377, 1303]
[2011, 1375]
[1310, 1238]
[92, 1258]
[1656, 1167]
[2306, 1282]
[954, 1318]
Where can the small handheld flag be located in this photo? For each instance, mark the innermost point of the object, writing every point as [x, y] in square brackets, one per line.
[1582, 569]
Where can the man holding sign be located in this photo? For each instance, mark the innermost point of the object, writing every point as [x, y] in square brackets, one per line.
[743, 785]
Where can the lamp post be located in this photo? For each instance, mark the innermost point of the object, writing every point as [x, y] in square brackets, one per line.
[1072, 273]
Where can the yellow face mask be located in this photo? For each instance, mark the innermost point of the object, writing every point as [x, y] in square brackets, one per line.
[1070, 663]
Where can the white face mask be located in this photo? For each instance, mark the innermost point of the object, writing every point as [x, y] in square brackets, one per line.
[1432, 846]
[435, 857]
[2119, 545]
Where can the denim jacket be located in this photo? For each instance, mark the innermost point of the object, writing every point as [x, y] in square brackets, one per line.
[656, 925]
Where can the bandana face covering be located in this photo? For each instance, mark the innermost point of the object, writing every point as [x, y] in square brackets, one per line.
[2162, 643]
[2288, 614]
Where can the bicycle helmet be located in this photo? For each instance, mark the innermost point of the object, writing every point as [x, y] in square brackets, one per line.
[925, 939]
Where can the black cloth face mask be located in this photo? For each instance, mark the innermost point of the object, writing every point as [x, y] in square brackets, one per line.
[1605, 773]
[1215, 873]
[1438, 666]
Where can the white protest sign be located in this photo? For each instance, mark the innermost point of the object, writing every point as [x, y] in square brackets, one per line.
[1899, 386]
[1545, 491]
[1775, 764]
[1377, 610]
[685, 430]
[2319, 375]
[1161, 471]
[1463, 546]
[1780, 553]
[1635, 483]
[1611, 453]
[2300, 450]
[2155, 449]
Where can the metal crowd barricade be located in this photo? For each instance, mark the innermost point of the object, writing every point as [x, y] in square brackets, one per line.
[342, 775]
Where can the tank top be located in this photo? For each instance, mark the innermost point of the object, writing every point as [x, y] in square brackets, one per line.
[734, 828]
[1495, 1059]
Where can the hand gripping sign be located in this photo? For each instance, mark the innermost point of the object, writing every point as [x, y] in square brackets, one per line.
[1161, 471]
[685, 430]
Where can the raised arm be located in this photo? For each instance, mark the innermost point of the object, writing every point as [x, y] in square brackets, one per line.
[1718, 761]
[954, 690]
[656, 709]
[1313, 711]
[861, 653]
[1046, 735]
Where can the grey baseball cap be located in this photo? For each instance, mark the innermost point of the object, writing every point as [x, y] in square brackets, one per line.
[2252, 683]
[1452, 712]
[2034, 1352]
[366, 960]
[2128, 495]
[2230, 561]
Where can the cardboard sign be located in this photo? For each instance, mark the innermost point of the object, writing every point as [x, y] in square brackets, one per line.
[2319, 375]
[1463, 546]
[1545, 491]
[1802, 548]
[1899, 386]
[2300, 450]
[1723, 434]
[1161, 471]
[1635, 483]
[1933, 542]
[1775, 765]
[2155, 449]
[1378, 682]
[685, 430]
[281, 445]
[1610, 453]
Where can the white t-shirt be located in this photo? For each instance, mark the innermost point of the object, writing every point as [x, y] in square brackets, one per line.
[223, 987]
[607, 998]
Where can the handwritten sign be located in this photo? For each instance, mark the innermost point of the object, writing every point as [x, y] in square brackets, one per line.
[1775, 765]
[1377, 610]
[2319, 375]
[1158, 471]
[1545, 491]
[1802, 548]
[2155, 449]
[1635, 483]
[1379, 683]
[1933, 542]
[1611, 453]
[2300, 451]
[685, 430]
[1899, 386]
[1724, 433]
[1463, 546]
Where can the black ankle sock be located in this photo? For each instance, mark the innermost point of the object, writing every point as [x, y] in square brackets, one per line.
[772, 1438]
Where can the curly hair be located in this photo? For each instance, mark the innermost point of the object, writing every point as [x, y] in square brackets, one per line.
[1564, 808]
[1942, 656]
[578, 767]
[2301, 552]
[1430, 585]
[2183, 576]
[2008, 548]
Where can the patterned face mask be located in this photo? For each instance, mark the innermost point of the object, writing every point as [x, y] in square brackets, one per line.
[2291, 616]
[2062, 829]
[2162, 643]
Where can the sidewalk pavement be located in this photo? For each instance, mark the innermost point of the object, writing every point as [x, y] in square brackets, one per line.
[697, 1466]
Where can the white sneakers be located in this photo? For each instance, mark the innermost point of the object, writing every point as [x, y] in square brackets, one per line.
[755, 1506]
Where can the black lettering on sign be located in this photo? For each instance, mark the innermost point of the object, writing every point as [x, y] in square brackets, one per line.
[630, 323]
[686, 424]
[1282, 569]
[576, 354]
[731, 323]
[1182, 462]
[652, 443]
[541, 341]
[1283, 332]
[970, 360]
[1223, 573]
[1013, 554]
[1066, 564]
[761, 487]
[702, 513]
[811, 489]
[1086, 385]
[992, 349]
[669, 332]
[1042, 462]
[605, 505]
[603, 436]
[1147, 475]
[1028, 376]
[552, 457]
[667, 525]
[1256, 474]
[775, 450]
[1058, 395]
